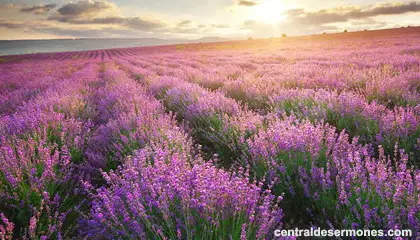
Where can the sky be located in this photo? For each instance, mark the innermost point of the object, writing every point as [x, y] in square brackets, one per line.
[194, 19]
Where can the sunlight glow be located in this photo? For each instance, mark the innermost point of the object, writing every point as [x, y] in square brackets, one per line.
[269, 11]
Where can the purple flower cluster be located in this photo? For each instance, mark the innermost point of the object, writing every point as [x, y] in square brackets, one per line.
[37, 153]
[21, 82]
[385, 126]
[158, 193]
[341, 179]
[127, 119]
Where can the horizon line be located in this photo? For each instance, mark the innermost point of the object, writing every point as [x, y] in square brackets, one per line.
[195, 39]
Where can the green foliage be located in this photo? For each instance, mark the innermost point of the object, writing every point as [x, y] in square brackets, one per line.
[355, 125]
[139, 77]
[217, 137]
[390, 99]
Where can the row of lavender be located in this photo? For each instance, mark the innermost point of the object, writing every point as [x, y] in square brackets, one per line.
[95, 156]
[337, 181]
[20, 82]
[40, 144]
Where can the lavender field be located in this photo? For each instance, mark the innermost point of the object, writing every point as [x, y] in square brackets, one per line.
[229, 140]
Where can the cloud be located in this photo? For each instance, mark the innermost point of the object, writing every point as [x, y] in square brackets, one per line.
[34, 27]
[10, 6]
[99, 18]
[366, 23]
[347, 13]
[58, 29]
[184, 23]
[142, 24]
[390, 9]
[84, 8]
[250, 23]
[38, 9]
[11, 24]
[247, 3]
[129, 22]
[301, 21]
[83, 11]
[94, 12]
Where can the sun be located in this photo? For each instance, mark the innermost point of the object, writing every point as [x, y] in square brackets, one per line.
[269, 11]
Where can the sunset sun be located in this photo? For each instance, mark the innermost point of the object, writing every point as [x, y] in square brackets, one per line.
[269, 11]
